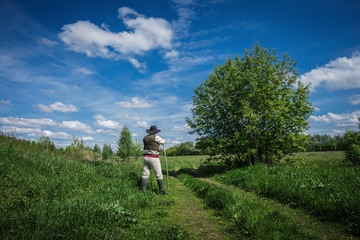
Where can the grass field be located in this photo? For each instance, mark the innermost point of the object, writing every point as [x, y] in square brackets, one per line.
[47, 195]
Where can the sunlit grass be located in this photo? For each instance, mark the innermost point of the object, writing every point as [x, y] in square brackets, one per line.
[324, 188]
[316, 159]
[252, 220]
[183, 162]
[47, 195]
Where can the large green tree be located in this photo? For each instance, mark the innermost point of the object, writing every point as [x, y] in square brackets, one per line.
[125, 144]
[252, 108]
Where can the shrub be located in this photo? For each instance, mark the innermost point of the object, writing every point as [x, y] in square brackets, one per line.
[353, 154]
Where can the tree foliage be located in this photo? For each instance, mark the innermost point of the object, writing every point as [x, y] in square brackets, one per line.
[46, 143]
[77, 149]
[352, 139]
[324, 142]
[137, 149]
[96, 149]
[107, 152]
[252, 108]
[125, 144]
[183, 149]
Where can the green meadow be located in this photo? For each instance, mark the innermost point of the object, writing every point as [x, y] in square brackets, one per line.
[51, 195]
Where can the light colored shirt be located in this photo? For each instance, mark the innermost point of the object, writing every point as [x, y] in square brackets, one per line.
[154, 152]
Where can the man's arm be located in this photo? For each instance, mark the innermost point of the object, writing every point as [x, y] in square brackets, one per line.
[160, 140]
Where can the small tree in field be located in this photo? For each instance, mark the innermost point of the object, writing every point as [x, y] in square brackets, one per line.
[106, 152]
[252, 108]
[353, 148]
[96, 149]
[137, 149]
[125, 144]
[47, 143]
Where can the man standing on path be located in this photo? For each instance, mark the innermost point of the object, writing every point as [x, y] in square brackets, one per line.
[151, 158]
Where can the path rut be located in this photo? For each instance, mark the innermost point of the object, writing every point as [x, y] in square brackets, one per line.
[192, 214]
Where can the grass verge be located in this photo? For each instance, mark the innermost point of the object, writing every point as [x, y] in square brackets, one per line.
[45, 195]
[252, 220]
[331, 193]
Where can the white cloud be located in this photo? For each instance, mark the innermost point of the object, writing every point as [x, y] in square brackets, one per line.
[188, 62]
[5, 102]
[107, 132]
[339, 120]
[186, 13]
[128, 117]
[135, 103]
[48, 91]
[105, 26]
[355, 99]
[183, 128]
[48, 133]
[147, 33]
[174, 142]
[183, 2]
[178, 65]
[171, 54]
[341, 73]
[163, 77]
[46, 42]
[33, 127]
[339, 132]
[76, 125]
[88, 138]
[58, 106]
[19, 130]
[142, 124]
[109, 124]
[56, 135]
[27, 122]
[140, 66]
[85, 71]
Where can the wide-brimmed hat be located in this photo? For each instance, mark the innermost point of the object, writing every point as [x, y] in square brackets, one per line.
[153, 130]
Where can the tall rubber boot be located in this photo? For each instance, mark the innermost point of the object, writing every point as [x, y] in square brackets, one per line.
[161, 187]
[144, 183]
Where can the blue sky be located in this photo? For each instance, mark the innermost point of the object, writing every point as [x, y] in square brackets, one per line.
[86, 68]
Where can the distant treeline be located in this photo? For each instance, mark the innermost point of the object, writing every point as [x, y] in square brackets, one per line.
[77, 149]
[326, 142]
[184, 149]
[314, 143]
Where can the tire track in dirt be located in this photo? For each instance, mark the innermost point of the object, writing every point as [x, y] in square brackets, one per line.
[323, 229]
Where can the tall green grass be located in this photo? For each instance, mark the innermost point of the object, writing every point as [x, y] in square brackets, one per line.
[46, 195]
[176, 163]
[332, 193]
[253, 220]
